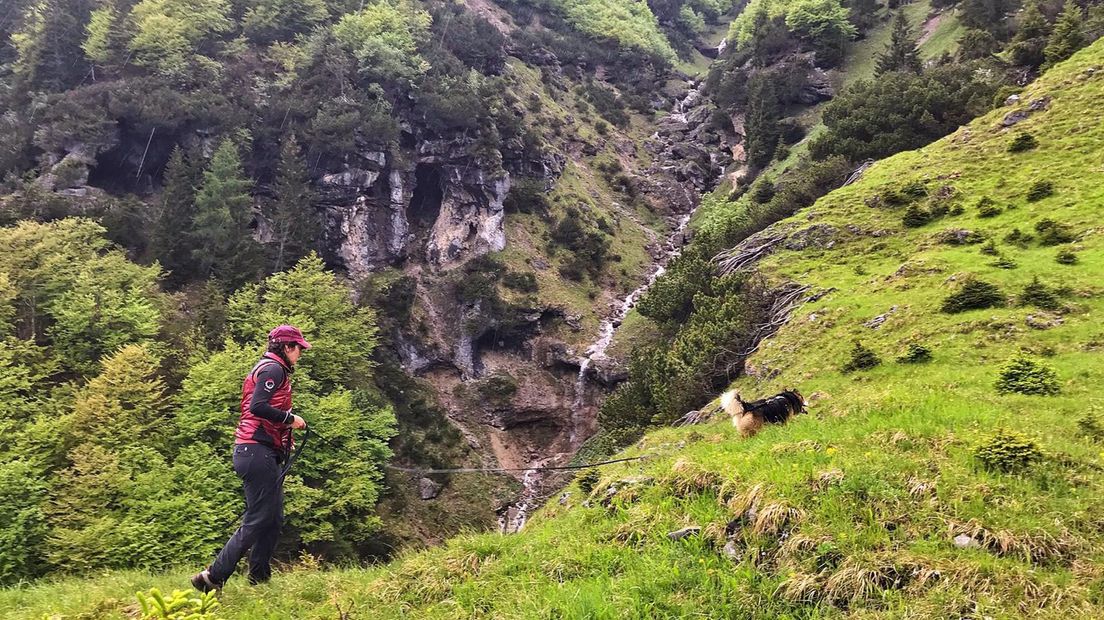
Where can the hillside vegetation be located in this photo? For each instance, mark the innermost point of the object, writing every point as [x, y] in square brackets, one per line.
[951, 465]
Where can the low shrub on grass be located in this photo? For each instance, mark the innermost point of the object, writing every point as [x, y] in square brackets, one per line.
[987, 207]
[1004, 262]
[1018, 238]
[1053, 233]
[990, 249]
[521, 282]
[1023, 375]
[862, 358]
[1022, 142]
[1008, 451]
[1090, 427]
[1066, 256]
[587, 480]
[1039, 295]
[1040, 189]
[974, 295]
[916, 354]
[916, 216]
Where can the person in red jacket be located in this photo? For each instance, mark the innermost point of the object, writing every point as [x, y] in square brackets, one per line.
[262, 442]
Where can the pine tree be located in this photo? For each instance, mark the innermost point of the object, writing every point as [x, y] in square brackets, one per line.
[1067, 37]
[293, 217]
[223, 239]
[901, 54]
[171, 240]
[1031, 37]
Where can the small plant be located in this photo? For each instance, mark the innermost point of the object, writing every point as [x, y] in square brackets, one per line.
[1018, 238]
[974, 295]
[1040, 189]
[498, 388]
[1053, 233]
[1039, 295]
[987, 207]
[862, 358]
[990, 249]
[915, 189]
[179, 606]
[1022, 142]
[521, 282]
[587, 480]
[916, 354]
[916, 217]
[1003, 262]
[1023, 375]
[1008, 451]
[1090, 427]
[1066, 256]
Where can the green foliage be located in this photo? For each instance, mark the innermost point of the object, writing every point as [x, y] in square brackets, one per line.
[292, 215]
[916, 216]
[588, 247]
[498, 388]
[1091, 427]
[587, 480]
[902, 53]
[266, 21]
[974, 294]
[169, 34]
[223, 245]
[1039, 295]
[1067, 36]
[1066, 256]
[180, 605]
[1054, 233]
[1023, 375]
[1022, 142]
[125, 404]
[22, 494]
[1027, 46]
[862, 358]
[104, 35]
[171, 243]
[987, 15]
[47, 51]
[901, 111]
[917, 353]
[824, 24]
[521, 282]
[1040, 189]
[1008, 451]
[385, 37]
[209, 400]
[527, 196]
[629, 24]
[987, 207]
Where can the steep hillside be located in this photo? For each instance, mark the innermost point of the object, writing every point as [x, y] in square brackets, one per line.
[921, 486]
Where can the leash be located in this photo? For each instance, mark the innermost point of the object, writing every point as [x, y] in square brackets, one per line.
[480, 470]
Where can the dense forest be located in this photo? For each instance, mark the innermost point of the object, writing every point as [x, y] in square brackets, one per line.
[175, 180]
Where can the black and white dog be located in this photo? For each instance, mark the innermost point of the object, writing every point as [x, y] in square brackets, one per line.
[750, 417]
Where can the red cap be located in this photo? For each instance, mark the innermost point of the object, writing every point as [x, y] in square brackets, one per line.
[288, 333]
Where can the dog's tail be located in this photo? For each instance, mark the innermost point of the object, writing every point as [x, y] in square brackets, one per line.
[731, 403]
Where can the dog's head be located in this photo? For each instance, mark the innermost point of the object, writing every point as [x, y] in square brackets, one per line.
[796, 401]
[732, 403]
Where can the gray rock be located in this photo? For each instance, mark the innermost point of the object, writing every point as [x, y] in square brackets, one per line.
[963, 541]
[1014, 117]
[732, 552]
[428, 488]
[683, 533]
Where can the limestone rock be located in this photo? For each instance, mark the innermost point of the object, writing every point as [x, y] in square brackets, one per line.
[428, 488]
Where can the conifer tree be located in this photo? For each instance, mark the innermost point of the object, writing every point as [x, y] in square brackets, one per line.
[172, 245]
[223, 239]
[1067, 37]
[1031, 37]
[902, 53]
[292, 215]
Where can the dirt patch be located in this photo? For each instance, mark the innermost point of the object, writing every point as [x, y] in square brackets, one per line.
[929, 27]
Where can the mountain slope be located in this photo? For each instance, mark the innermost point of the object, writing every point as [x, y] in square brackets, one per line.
[876, 504]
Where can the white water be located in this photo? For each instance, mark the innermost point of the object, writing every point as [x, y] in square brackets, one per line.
[532, 481]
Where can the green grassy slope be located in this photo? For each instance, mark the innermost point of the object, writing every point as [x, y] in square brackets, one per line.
[852, 510]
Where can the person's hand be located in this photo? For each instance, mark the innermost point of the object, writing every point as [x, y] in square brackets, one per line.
[297, 422]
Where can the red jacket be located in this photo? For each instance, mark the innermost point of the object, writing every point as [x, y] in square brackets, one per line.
[256, 429]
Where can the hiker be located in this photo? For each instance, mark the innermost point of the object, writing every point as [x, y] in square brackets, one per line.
[262, 443]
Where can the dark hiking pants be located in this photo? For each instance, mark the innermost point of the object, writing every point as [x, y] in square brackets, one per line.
[259, 468]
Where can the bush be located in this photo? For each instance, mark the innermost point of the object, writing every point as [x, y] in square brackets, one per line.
[526, 196]
[1004, 262]
[916, 354]
[1090, 427]
[1023, 375]
[499, 388]
[1022, 142]
[180, 606]
[1053, 233]
[1040, 189]
[1066, 256]
[974, 295]
[521, 282]
[862, 358]
[1018, 238]
[1008, 451]
[1039, 295]
[987, 207]
[990, 249]
[587, 480]
[916, 217]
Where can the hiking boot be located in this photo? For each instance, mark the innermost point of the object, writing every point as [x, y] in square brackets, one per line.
[202, 581]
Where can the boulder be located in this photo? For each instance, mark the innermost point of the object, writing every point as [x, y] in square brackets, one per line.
[429, 489]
